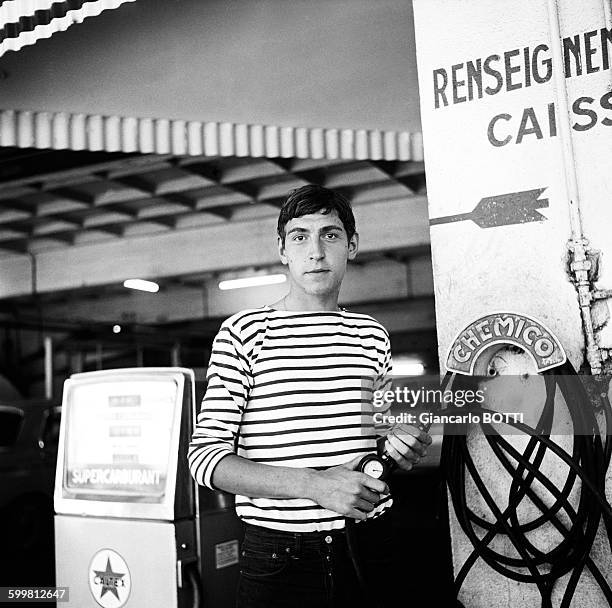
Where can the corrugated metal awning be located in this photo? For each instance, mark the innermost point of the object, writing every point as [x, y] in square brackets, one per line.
[61, 131]
[23, 22]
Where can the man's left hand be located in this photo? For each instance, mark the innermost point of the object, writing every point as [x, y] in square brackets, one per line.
[407, 444]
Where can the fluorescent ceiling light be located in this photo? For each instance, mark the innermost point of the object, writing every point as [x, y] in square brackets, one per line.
[408, 367]
[254, 281]
[141, 285]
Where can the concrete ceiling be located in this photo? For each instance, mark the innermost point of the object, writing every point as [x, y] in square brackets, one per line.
[136, 195]
[74, 225]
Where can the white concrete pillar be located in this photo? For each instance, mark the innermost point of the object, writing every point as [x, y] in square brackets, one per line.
[516, 107]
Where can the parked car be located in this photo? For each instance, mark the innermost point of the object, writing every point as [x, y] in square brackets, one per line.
[29, 432]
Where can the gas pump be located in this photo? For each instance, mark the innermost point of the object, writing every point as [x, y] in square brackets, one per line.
[131, 528]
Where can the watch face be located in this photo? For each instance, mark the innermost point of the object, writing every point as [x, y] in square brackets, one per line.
[374, 468]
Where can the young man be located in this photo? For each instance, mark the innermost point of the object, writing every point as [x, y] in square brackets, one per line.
[282, 423]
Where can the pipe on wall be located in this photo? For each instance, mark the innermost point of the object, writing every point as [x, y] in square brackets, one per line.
[580, 263]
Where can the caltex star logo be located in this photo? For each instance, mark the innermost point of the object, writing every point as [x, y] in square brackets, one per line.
[109, 580]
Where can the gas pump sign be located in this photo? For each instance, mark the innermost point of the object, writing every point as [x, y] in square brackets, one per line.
[119, 444]
[121, 431]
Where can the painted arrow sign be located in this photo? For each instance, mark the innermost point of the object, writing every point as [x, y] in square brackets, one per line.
[502, 210]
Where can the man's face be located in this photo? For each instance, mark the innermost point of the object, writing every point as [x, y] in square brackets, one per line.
[316, 249]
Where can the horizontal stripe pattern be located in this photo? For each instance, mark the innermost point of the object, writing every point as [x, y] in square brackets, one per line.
[24, 22]
[291, 389]
[31, 15]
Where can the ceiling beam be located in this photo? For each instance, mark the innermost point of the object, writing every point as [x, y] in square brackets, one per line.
[410, 174]
[73, 194]
[124, 164]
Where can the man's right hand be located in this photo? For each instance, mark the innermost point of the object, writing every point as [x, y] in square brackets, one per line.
[346, 491]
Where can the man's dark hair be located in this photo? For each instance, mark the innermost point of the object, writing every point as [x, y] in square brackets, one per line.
[311, 199]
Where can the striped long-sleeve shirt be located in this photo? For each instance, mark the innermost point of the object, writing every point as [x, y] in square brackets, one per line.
[294, 389]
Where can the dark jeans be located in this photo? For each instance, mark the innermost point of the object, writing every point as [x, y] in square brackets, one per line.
[314, 570]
